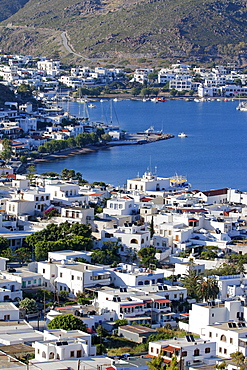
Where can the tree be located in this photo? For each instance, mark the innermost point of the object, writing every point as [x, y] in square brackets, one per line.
[100, 349]
[239, 359]
[31, 172]
[67, 322]
[23, 159]
[173, 365]
[151, 227]
[207, 288]
[7, 149]
[4, 243]
[147, 255]
[23, 254]
[146, 91]
[63, 294]
[152, 76]
[190, 282]
[108, 254]
[173, 92]
[121, 322]
[29, 305]
[157, 363]
[101, 331]
[135, 91]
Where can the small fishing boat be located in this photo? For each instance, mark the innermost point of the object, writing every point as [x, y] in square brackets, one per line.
[182, 134]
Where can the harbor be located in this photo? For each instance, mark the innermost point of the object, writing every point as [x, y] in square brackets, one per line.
[210, 156]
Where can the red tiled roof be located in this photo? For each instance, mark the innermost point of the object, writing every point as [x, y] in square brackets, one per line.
[90, 331]
[211, 193]
[146, 199]
[169, 349]
[166, 361]
[9, 176]
[96, 194]
[190, 210]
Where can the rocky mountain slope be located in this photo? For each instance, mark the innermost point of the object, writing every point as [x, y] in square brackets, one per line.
[199, 30]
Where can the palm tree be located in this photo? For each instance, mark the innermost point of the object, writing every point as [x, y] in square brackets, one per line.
[190, 282]
[207, 288]
[157, 363]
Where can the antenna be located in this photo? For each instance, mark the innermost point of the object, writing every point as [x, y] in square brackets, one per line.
[150, 163]
[155, 170]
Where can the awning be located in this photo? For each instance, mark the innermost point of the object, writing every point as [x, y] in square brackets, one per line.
[148, 301]
[132, 305]
[169, 349]
[162, 300]
[168, 314]
[138, 318]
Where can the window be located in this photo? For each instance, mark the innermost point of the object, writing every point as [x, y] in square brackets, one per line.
[6, 317]
[184, 353]
[207, 350]
[72, 353]
[29, 282]
[43, 354]
[78, 353]
[38, 351]
[175, 295]
[220, 349]
[61, 274]
[157, 351]
[225, 351]
[231, 340]
[72, 277]
[196, 352]
[212, 314]
[151, 349]
[223, 338]
[210, 334]
[43, 271]
[51, 355]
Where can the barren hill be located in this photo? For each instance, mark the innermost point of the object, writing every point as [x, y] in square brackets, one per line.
[199, 30]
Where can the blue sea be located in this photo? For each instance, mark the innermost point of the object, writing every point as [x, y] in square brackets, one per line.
[212, 156]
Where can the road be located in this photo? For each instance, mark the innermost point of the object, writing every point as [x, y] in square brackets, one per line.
[68, 48]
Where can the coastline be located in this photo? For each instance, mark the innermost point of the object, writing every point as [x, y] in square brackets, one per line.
[67, 153]
[93, 148]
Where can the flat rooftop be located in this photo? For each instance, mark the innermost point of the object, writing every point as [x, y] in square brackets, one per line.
[138, 329]
[225, 326]
[89, 363]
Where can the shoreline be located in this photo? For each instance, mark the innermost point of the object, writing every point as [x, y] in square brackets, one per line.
[93, 148]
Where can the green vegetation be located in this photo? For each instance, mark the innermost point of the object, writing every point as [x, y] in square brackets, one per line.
[198, 286]
[67, 322]
[10, 7]
[147, 256]
[163, 29]
[6, 153]
[239, 359]
[65, 236]
[108, 254]
[119, 345]
[29, 304]
[157, 363]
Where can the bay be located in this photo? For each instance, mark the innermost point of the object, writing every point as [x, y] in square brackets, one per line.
[212, 156]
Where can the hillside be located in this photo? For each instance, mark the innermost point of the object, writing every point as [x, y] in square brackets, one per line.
[114, 31]
[10, 7]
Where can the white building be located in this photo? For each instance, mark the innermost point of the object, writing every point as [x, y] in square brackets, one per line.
[64, 345]
[189, 351]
